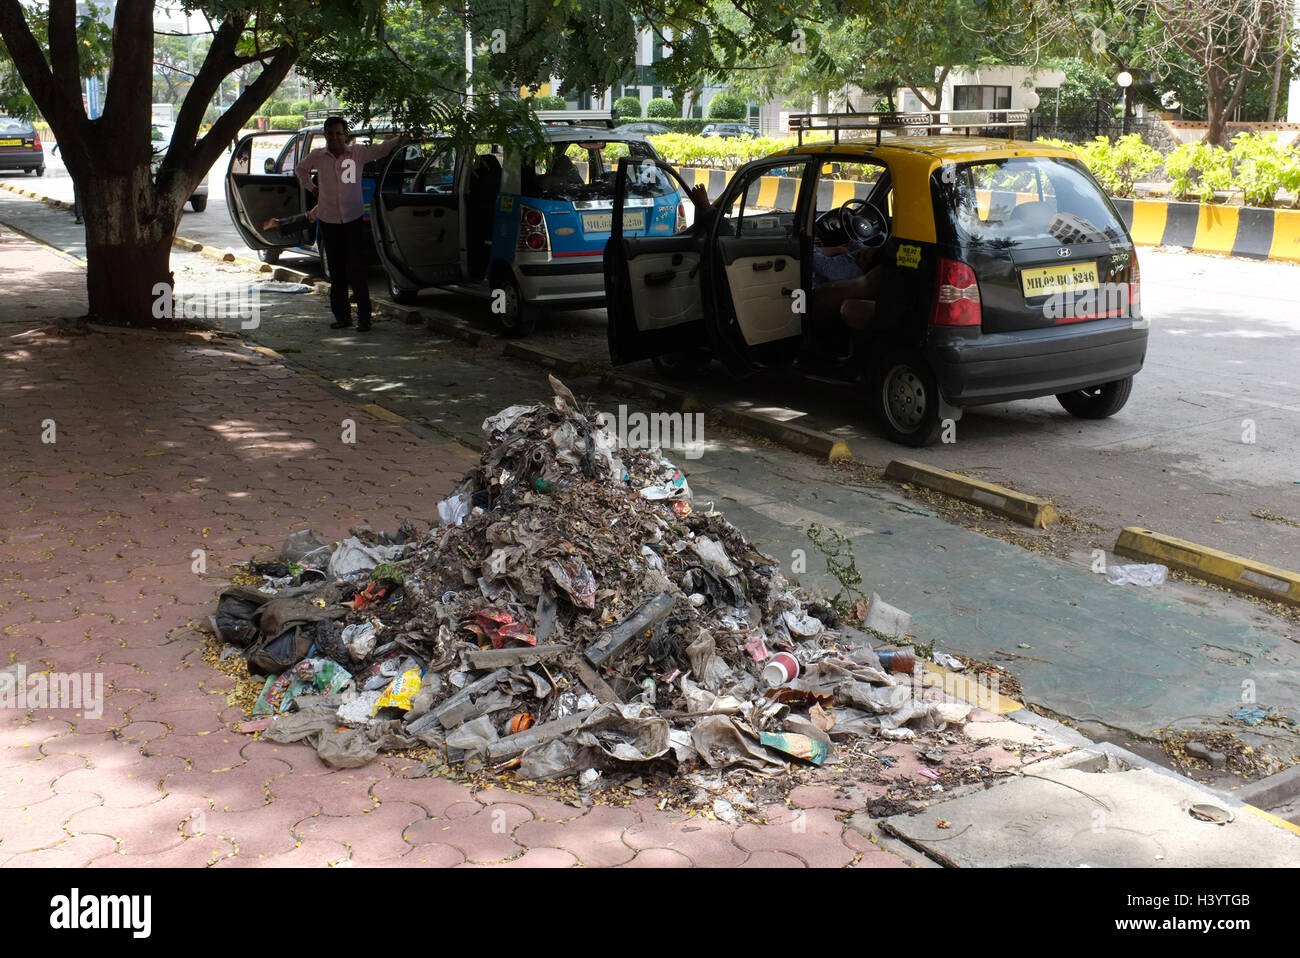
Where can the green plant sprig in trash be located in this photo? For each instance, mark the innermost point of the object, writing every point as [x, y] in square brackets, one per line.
[841, 563]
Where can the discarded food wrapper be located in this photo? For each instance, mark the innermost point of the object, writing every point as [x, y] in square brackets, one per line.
[757, 650]
[401, 692]
[782, 668]
[452, 511]
[928, 773]
[1137, 573]
[629, 733]
[949, 662]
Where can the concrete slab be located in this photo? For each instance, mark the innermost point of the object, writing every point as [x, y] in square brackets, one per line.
[1013, 733]
[1090, 809]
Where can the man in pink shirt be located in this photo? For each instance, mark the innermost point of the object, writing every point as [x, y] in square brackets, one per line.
[339, 212]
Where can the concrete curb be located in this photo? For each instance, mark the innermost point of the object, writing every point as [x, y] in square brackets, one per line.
[454, 326]
[1244, 231]
[1222, 568]
[546, 358]
[1025, 509]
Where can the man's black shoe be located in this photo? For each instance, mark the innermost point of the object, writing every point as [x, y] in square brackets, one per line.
[344, 324]
[363, 325]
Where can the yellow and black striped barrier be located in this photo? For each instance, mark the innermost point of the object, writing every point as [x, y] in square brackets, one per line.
[1246, 231]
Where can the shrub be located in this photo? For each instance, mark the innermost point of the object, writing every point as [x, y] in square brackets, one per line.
[728, 106]
[628, 106]
[1119, 165]
[299, 106]
[682, 149]
[1199, 169]
[276, 108]
[287, 121]
[660, 106]
[548, 103]
[1261, 166]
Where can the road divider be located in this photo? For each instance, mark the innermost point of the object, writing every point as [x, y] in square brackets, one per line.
[1245, 231]
[1222, 568]
[1025, 509]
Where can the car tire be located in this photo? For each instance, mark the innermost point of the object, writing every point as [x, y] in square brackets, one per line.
[682, 365]
[905, 397]
[269, 256]
[40, 171]
[405, 297]
[198, 203]
[1097, 402]
[520, 317]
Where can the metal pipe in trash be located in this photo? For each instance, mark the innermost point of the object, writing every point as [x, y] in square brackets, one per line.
[638, 623]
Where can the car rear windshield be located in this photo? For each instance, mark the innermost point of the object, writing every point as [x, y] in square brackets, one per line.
[11, 127]
[582, 171]
[1026, 202]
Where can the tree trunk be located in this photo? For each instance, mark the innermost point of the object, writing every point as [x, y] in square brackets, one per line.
[1283, 25]
[129, 229]
[1215, 113]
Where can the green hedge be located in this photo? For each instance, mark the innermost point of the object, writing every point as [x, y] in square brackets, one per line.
[548, 103]
[288, 121]
[715, 152]
[1257, 167]
[728, 106]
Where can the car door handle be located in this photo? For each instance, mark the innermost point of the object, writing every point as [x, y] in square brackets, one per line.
[762, 266]
[660, 278]
[780, 265]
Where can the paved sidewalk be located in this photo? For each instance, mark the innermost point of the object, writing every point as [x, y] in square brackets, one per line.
[167, 444]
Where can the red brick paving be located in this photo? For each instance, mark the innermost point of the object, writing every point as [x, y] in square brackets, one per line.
[170, 443]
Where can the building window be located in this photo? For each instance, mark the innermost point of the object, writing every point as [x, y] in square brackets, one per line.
[981, 98]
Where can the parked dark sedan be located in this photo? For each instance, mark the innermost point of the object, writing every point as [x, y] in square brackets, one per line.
[20, 146]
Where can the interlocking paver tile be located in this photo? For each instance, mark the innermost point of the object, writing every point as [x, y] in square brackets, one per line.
[544, 809]
[41, 825]
[339, 792]
[704, 842]
[483, 837]
[373, 838]
[658, 858]
[69, 853]
[123, 786]
[772, 860]
[813, 837]
[242, 787]
[596, 838]
[434, 795]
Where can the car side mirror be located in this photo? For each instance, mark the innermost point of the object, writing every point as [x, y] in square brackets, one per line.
[269, 165]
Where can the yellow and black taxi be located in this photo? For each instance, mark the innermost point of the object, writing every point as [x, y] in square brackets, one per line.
[945, 270]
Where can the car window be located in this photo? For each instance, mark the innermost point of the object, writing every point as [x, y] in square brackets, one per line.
[11, 127]
[839, 181]
[581, 171]
[1027, 202]
[429, 168]
[766, 204]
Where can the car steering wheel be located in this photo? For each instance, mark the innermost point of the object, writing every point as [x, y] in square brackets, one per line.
[862, 221]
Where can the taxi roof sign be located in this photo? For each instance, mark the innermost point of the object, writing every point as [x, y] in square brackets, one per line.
[575, 117]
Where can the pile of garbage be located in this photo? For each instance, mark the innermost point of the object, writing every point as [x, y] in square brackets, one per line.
[570, 611]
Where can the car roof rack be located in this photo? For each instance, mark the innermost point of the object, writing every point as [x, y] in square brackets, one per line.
[604, 118]
[879, 122]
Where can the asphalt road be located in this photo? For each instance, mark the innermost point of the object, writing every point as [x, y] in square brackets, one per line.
[1207, 445]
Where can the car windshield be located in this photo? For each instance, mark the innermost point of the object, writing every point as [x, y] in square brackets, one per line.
[583, 170]
[11, 127]
[1026, 202]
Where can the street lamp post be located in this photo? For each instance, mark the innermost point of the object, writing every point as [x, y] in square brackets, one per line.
[1124, 79]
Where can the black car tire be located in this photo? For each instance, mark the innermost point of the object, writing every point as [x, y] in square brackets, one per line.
[406, 297]
[269, 256]
[520, 317]
[682, 365]
[198, 203]
[1097, 402]
[905, 397]
[40, 171]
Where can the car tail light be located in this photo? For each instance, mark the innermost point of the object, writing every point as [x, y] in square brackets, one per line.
[36, 142]
[533, 236]
[957, 295]
[680, 225]
[1134, 284]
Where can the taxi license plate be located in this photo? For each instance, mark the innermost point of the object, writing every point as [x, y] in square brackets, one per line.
[1047, 280]
[604, 222]
[11, 142]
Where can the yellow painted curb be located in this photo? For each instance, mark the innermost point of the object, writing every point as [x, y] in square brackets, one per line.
[267, 351]
[1027, 510]
[316, 380]
[840, 451]
[379, 412]
[1222, 568]
[1271, 818]
[970, 690]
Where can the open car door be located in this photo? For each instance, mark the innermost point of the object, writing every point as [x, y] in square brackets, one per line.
[261, 185]
[757, 264]
[653, 260]
[416, 222]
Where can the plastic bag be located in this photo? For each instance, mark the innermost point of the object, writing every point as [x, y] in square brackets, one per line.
[452, 511]
[353, 556]
[629, 733]
[1138, 573]
[401, 692]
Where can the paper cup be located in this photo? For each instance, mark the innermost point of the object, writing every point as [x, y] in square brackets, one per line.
[781, 668]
